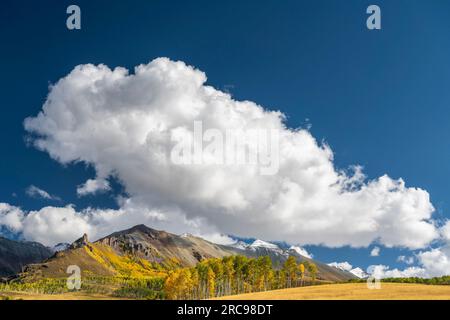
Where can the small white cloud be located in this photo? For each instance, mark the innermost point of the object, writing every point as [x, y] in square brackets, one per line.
[381, 271]
[404, 259]
[92, 186]
[35, 192]
[375, 252]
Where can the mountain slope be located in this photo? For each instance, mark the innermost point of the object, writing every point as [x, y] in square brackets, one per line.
[14, 255]
[142, 251]
[160, 246]
[135, 252]
[279, 255]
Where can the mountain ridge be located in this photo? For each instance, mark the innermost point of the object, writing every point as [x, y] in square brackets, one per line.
[14, 255]
[143, 251]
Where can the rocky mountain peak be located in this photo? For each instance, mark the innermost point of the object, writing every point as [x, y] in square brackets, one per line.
[83, 241]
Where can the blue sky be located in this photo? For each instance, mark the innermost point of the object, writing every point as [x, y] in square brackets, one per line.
[378, 98]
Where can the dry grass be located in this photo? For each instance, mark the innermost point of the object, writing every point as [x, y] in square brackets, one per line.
[350, 291]
[353, 291]
[62, 296]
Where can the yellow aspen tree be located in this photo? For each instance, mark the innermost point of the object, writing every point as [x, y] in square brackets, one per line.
[211, 282]
[301, 269]
[313, 271]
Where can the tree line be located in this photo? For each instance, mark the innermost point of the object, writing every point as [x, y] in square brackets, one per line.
[236, 275]
[209, 278]
[444, 280]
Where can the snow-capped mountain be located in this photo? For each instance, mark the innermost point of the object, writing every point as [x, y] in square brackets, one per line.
[141, 240]
[345, 266]
[301, 251]
[279, 251]
[257, 245]
[359, 273]
[261, 245]
[61, 247]
[240, 245]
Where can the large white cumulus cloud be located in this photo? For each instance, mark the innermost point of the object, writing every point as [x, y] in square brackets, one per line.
[436, 261]
[52, 225]
[49, 225]
[123, 124]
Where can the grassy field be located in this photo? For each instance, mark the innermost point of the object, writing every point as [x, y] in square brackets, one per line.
[348, 291]
[353, 291]
[61, 296]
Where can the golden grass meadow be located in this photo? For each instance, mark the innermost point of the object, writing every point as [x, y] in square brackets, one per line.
[352, 291]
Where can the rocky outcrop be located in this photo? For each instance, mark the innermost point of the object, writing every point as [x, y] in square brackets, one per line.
[80, 243]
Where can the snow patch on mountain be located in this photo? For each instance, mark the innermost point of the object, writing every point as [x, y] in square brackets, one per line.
[301, 251]
[345, 266]
[359, 273]
[240, 245]
[279, 247]
[263, 244]
[186, 235]
[61, 247]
